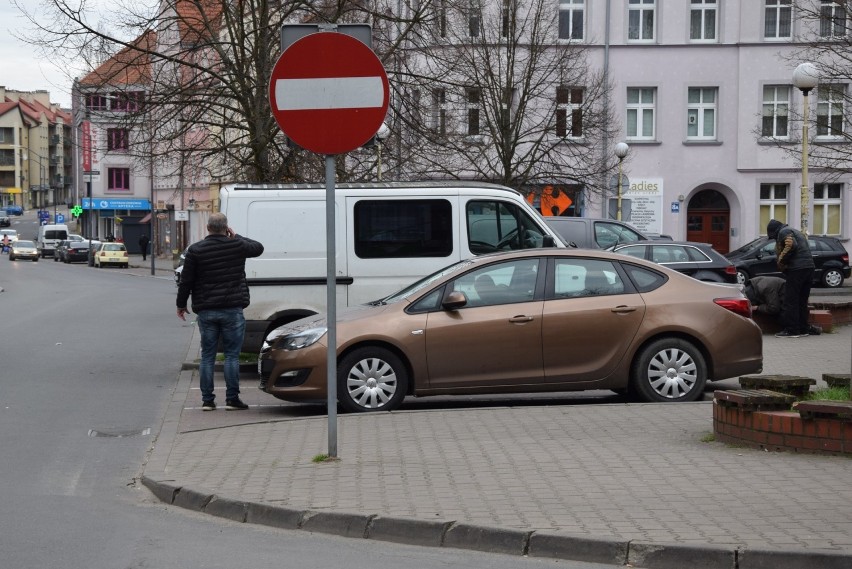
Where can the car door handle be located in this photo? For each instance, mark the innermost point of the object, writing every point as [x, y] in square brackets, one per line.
[624, 309]
[520, 319]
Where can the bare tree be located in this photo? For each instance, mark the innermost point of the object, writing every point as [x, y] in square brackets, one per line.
[825, 29]
[494, 95]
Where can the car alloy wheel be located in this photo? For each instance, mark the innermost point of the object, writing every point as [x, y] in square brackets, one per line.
[742, 277]
[832, 278]
[371, 379]
[669, 369]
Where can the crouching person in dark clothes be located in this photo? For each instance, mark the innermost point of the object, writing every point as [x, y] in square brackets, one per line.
[796, 261]
[766, 295]
[214, 274]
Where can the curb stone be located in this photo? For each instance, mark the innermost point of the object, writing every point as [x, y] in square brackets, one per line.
[750, 558]
[540, 544]
[409, 531]
[679, 555]
[559, 545]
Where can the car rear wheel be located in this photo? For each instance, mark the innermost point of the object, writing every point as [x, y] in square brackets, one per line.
[669, 369]
[742, 277]
[832, 278]
[371, 379]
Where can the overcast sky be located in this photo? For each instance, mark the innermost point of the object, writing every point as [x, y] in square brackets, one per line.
[21, 67]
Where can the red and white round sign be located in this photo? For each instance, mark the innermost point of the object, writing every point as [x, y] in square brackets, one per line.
[329, 93]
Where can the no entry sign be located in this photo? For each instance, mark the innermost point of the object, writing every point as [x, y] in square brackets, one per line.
[329, 93]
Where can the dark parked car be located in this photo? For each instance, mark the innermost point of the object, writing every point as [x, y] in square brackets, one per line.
[594, 233]
[78, 251]
[758, 258]
[5, 220]
[698, 260]
[531, 320]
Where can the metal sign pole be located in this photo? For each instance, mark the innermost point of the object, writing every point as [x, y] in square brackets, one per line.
[331, 304]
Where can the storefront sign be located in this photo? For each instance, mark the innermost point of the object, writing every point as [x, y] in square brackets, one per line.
[646, 204]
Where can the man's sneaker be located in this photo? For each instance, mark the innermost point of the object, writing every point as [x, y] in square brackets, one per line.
[235, 404]
[788, 334]
[208, 406]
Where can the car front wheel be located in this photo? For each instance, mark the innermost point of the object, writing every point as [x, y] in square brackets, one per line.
[832, 278]
[371, 379]
[669, 369]
[742, 277]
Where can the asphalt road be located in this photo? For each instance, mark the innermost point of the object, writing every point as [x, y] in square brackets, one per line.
[88, 362]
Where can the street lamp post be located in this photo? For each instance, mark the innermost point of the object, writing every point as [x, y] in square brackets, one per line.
[805, 78]
[621, 150]
[381, 135]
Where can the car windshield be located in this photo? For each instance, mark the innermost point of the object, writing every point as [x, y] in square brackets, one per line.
[24, 244]
[424, 282]
[749, 246]
[9, 232]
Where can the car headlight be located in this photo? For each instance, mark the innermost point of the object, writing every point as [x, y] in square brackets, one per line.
[298, 340]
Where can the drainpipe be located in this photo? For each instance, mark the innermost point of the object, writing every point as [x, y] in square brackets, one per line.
[605, 140]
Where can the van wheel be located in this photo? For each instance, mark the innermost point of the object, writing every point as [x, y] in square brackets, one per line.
[371, 379]
[669, 369]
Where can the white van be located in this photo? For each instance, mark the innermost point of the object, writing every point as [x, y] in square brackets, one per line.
[48, 237]
[388, 235]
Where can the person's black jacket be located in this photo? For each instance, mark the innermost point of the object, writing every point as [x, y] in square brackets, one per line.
[214, 272]
[791, 246]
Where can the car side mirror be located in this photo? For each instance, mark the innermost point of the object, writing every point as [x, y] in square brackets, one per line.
[454, 300]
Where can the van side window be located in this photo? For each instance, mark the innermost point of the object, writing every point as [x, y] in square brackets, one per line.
[387, 229]
[499, 226]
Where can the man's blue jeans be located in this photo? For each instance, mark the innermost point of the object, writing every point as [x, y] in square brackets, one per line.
[230, 325]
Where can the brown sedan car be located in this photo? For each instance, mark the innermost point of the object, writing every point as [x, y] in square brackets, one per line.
[526, 321]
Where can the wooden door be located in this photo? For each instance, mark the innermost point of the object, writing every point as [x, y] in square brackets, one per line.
[708, 226]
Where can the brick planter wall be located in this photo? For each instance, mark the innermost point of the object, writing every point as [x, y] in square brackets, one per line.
[781, 430]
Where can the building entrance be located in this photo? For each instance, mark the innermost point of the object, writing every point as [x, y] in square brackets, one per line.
[708, 220]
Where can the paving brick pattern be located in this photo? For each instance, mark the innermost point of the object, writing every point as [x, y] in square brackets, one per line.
[621, 471]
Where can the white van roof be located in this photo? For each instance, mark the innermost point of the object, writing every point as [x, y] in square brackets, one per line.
[379, 188]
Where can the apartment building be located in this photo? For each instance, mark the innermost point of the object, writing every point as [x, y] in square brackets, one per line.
[36, 151]
[705, 96]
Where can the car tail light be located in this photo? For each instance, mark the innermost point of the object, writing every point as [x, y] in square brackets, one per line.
[739, 306]
[845, 258]
[730, 270]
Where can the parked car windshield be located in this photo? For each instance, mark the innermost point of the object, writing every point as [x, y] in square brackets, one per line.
[424, 282]
[748, 246]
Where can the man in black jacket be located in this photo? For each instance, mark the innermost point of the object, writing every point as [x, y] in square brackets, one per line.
[214, 274]
[796, 261]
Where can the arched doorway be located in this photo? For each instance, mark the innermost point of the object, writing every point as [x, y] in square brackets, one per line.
[708, 220]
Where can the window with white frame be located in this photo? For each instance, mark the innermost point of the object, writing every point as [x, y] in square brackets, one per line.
[776, 110]
[474, 18]
[641, 20]
[439, 111]
[701, 113]
[569, 112]
[641, 108]
[473, 98]
[703, 20]
[778, 19]
[773, 203]
[507, 21]
[827, 208]
[571, 19]
[830, 97]
[832, 19]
